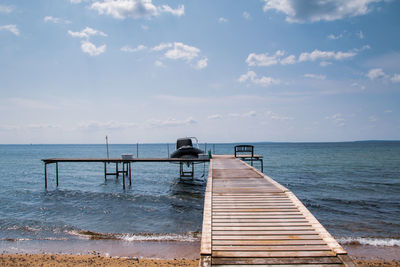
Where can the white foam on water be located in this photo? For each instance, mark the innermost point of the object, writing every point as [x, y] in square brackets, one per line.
[387, 242]
[158, 237]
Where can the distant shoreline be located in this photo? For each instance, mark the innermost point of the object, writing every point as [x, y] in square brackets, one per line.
[223, 143]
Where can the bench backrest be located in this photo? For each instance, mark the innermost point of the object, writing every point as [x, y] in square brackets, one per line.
[244, 149]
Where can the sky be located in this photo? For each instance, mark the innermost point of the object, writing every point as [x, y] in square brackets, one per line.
[74, 71]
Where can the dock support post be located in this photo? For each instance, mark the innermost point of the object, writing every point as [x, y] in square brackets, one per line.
[45, 176]
[262, 165]
[105, 171]
[192, 170]
[123, 175]
[57, 173]
[130, 174]
[116, 170]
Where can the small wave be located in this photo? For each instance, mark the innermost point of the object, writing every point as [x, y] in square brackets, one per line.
[92, 235]
[387, 242]
[30, 239]
[190, 236]
[14, 239]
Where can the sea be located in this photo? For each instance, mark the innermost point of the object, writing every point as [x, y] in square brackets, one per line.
[352, 188]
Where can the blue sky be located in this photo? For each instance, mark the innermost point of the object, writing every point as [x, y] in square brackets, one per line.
[73, 71]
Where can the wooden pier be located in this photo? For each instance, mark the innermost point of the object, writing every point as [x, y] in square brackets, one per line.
[249, 219]
[126, 165]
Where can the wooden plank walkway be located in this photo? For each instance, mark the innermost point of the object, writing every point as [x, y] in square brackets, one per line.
[249, 219]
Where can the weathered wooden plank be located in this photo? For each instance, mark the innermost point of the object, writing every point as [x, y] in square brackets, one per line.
[346, 260]
[263, 232]
[272, 248]
[271, 213]
[272, 254]
[278, 265]
[267, 237]
[255, 206]
[332, 243]
[271, 195]
[251, 200]
[255, 211]
[281, 261]
[228, 173]
[239, 195]
[262, 228]
[268, 242]
[228, 223]
[206, 236]
[217, 220]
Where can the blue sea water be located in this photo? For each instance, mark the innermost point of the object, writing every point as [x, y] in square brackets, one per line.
[352, 188]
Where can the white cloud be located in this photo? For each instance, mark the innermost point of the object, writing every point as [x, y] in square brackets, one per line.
[376, 74]
[246, 15]
[27, 103]
[182, 51]
[180, 11]
[159, 64]
[136, 9]
[171, 122]
[288, 60]
[77, 1]
[222, 20]
[361, 35]
[214, 117]
[6, 9]
[29, 127]
[306, 10]
[110, 125]
[86, 33]
[323, 55]
[263, 59]
[178, 50]
[335, 37]
[315, 76]
[202, 63]
[144, 27]
[129, 49]
[337, 119]
[251, 76]
[273, 116]
[162, 46]
[11, 28]
[56, 20]
[395, 78]
[91, 49]
[357, 85]
[325, 63]
[250, 113]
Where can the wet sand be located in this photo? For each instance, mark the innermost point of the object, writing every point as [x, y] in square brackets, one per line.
[144, 253]
[33, 260]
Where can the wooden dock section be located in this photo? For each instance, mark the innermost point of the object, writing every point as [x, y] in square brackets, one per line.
[249, 219]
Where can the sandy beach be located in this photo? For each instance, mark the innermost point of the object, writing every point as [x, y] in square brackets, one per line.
[97, 260]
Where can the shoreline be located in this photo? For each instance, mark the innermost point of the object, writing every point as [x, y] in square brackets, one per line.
[33, 260]
[82, 252]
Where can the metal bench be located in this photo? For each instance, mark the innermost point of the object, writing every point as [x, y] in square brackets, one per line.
[246, 153]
